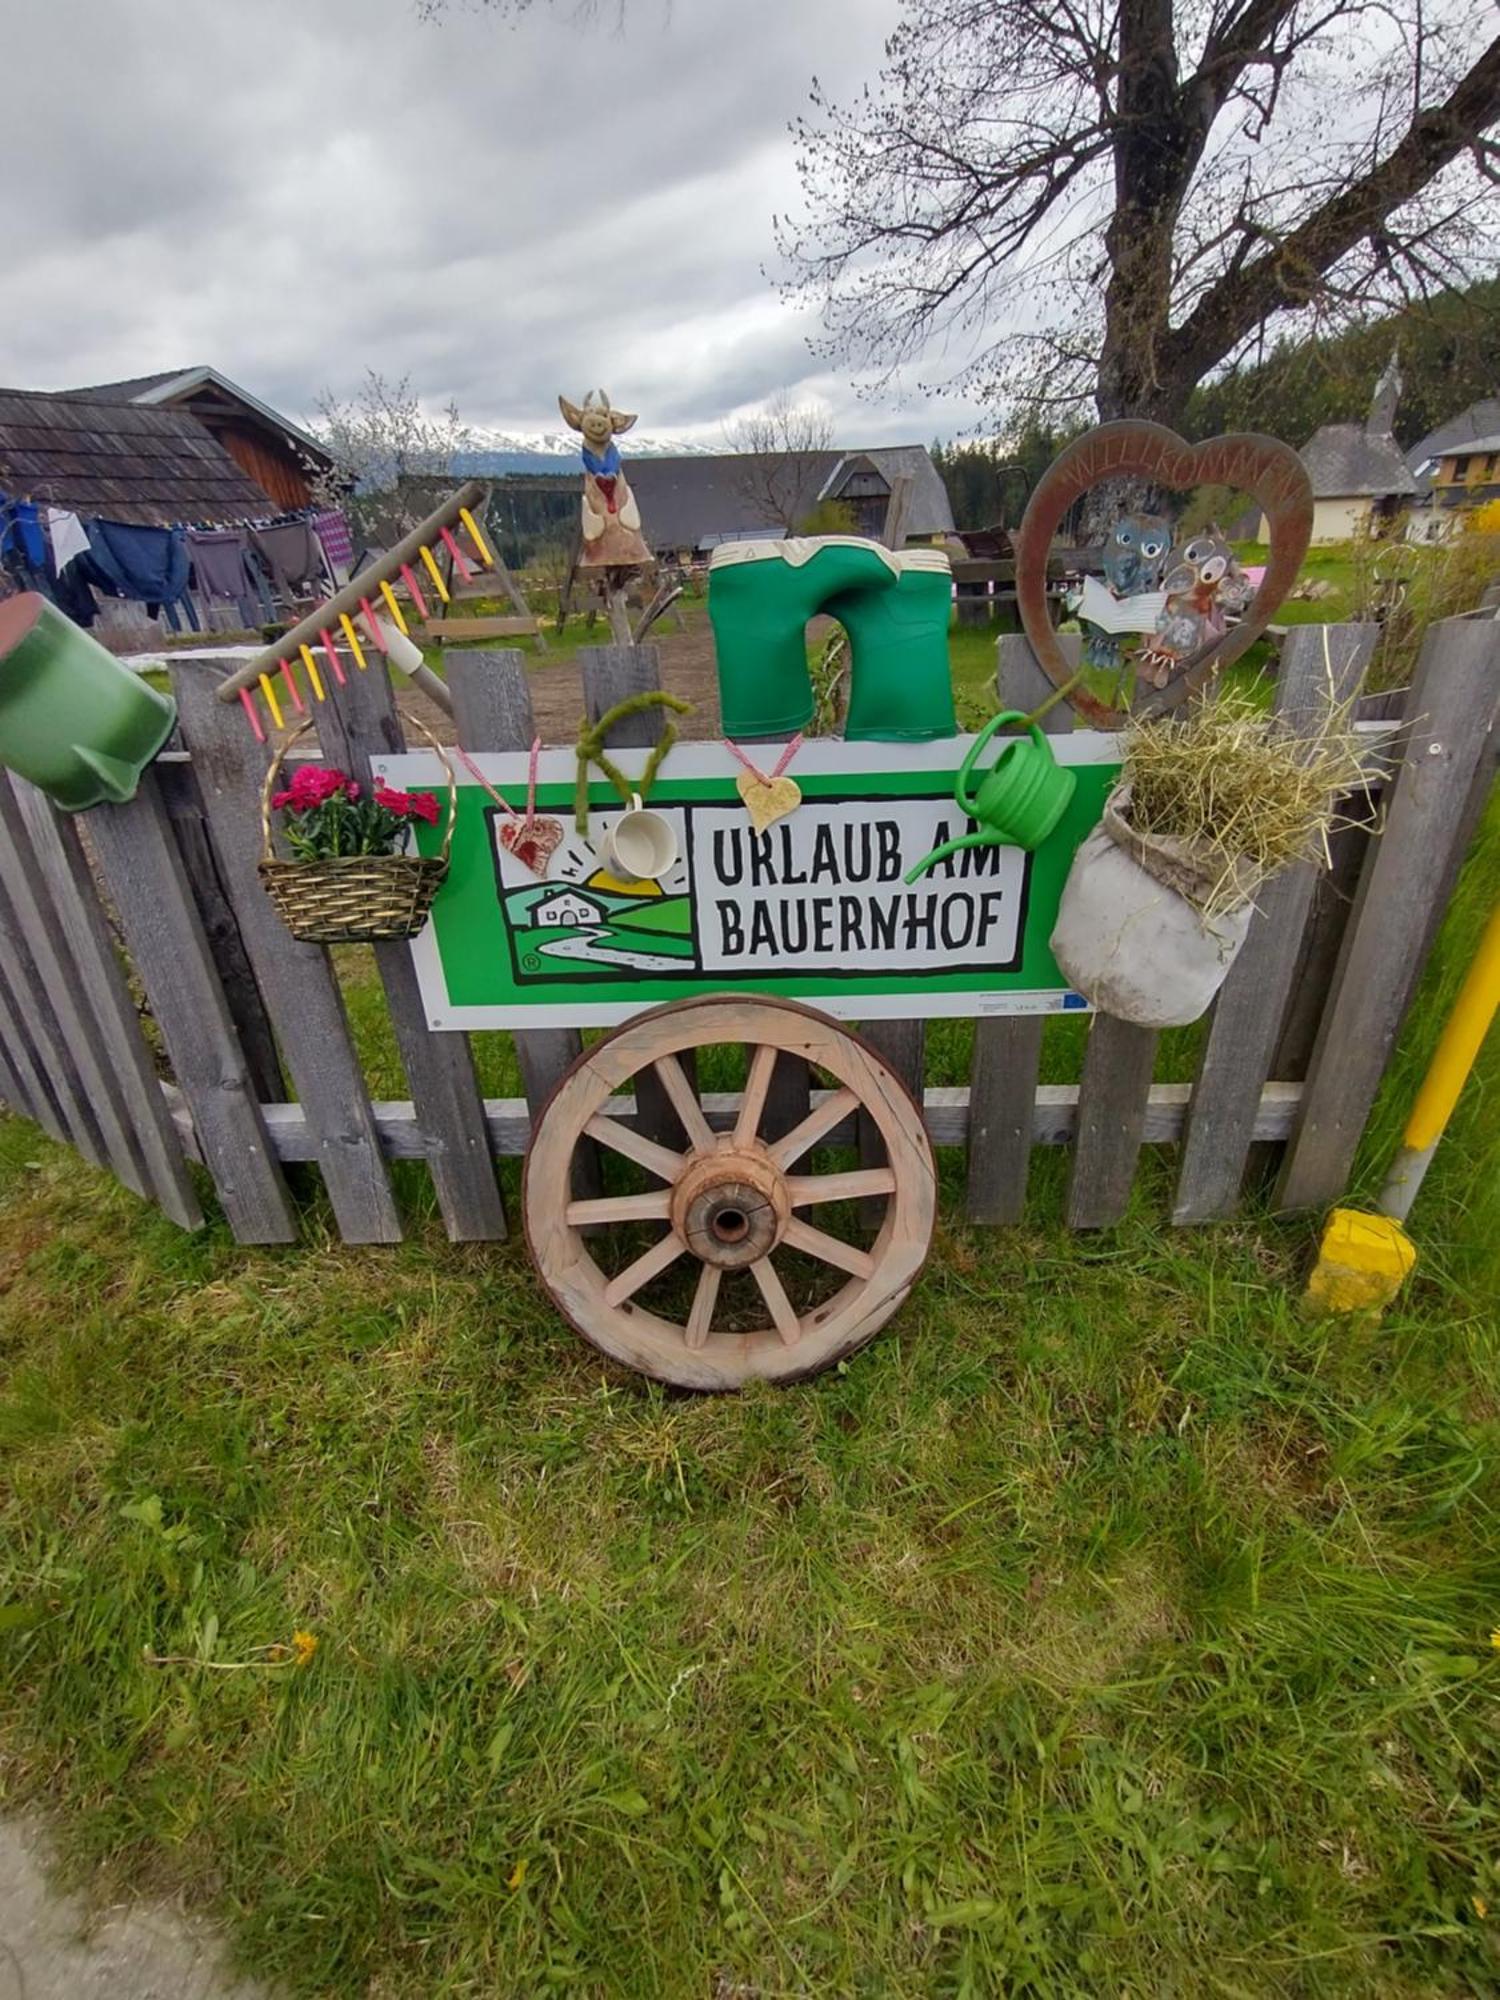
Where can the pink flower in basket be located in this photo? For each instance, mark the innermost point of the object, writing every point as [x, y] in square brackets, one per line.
[408, 805]
[314, 785]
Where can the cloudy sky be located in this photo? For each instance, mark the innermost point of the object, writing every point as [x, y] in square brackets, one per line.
[296, 190]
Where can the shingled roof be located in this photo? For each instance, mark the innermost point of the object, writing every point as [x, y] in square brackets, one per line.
[693, 502]
[1347, 461]
[125, 461]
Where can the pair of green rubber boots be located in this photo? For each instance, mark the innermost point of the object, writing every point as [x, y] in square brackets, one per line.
[894, 604]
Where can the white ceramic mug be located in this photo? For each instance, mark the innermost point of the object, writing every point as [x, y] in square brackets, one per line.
[640, 845]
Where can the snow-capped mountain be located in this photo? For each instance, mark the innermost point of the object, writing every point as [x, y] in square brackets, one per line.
[555, 451]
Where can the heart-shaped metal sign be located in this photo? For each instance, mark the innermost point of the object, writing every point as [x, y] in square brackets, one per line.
[1269, 471]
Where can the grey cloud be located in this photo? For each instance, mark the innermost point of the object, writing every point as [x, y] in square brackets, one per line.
[300, 189]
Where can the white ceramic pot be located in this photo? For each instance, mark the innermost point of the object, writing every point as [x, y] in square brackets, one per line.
[1135, 948]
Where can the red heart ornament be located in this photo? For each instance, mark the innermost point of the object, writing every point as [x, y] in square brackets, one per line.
[1266, 469]
[532, 841]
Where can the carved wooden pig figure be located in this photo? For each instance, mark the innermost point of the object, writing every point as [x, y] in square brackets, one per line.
[611, 519]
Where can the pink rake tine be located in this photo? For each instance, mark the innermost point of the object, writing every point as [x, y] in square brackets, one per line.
[249, 708]
[292, 689]
[459, 561]
[415, 590]
[372, 626]
[331, 654]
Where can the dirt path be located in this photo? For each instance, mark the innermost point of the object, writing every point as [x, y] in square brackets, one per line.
[55, 1947]
[687, 669]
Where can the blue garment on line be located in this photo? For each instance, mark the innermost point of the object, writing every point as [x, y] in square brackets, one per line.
[150, 564]
[23, 530]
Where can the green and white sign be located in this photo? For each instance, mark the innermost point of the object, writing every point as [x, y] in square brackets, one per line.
[816, 907]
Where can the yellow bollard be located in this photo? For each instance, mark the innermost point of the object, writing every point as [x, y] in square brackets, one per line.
[1363, 1260]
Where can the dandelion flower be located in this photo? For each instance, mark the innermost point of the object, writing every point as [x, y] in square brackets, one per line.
[1481, 1907]
[1495, 1637]
[517, 1875]
[304, 1645]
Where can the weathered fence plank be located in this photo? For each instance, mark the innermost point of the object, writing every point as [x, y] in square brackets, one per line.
[74, 905]
[33, 995]
[612, 674]
[295, 979]
[12, 1096]
[492, 711]
[33, 1100]
[356, 723]
[149, 888]
[35, 906]
[1008, 1048]
[38, 1101]
[1320, 665]
[902, 1047]
[1451, 712]
[1113, 1098]
[247, 1007]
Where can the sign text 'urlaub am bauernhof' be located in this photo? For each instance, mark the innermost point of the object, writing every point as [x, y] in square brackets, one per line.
[815, 907]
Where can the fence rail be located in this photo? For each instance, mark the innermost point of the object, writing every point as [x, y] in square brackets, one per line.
[151, 1004]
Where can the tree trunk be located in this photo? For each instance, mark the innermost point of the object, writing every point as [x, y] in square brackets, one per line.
[1156, 150]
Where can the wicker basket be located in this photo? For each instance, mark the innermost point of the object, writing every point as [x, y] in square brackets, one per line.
[355, 898]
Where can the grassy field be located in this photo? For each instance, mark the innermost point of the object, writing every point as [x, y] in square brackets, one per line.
[1106, 1628]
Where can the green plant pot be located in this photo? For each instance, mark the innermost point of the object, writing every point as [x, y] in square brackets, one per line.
[73, 721]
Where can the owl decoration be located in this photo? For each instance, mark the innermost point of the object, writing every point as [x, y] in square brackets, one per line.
[1203, 585]
[1134, 558]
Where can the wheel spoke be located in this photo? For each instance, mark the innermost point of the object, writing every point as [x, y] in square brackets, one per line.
[652, 1207]
[684, 1102]
[644, 1269]
[701, 1318]
[783, 1313]
[828, 1249]
[753, 1103]
[822, 1118]
[658, 1160]
[805, 1189]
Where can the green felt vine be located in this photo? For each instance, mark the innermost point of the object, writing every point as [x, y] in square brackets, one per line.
[593, 736]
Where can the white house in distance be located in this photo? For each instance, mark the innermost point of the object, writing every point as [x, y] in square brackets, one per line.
[565, 910]
[1359, 478]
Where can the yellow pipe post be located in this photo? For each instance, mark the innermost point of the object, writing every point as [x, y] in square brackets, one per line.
[1363, 1260]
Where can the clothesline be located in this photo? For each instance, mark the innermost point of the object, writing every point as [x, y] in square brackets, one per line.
[286, 554]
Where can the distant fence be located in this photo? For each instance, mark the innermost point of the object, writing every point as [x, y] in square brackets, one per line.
[158, 901]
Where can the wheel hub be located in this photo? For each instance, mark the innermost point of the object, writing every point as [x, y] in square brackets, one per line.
[731, 1207]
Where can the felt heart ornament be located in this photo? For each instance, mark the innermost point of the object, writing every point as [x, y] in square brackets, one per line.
[532, 841]
[768, 799]
[1269, 471]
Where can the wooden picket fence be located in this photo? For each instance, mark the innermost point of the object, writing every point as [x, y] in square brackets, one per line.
[157, 901]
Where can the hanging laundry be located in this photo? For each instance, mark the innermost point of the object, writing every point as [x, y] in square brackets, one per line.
[68, 537]
[293, 554]
[148, 564]
[21, 533]
[332, 530]
[221, 570]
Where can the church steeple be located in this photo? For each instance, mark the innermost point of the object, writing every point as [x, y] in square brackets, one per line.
[1381, 421]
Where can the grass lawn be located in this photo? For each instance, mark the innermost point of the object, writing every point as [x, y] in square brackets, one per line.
[1106, 1627]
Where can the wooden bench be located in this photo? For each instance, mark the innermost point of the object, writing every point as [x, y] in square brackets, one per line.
[462, 630]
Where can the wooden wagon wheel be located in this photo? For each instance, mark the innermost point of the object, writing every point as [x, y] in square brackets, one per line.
[731, 1201]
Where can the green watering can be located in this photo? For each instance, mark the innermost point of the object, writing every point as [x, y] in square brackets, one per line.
[73, 721]
[1019, 800]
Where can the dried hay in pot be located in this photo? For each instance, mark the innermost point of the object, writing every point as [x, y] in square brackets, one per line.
[1215, 803]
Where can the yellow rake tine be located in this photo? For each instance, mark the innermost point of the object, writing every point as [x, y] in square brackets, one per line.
[435, 573]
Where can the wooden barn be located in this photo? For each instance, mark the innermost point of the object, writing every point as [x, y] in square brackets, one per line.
[125, 461]
[271, 451]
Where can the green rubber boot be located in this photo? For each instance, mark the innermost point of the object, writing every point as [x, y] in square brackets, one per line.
[760, 597]
[900, 687]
